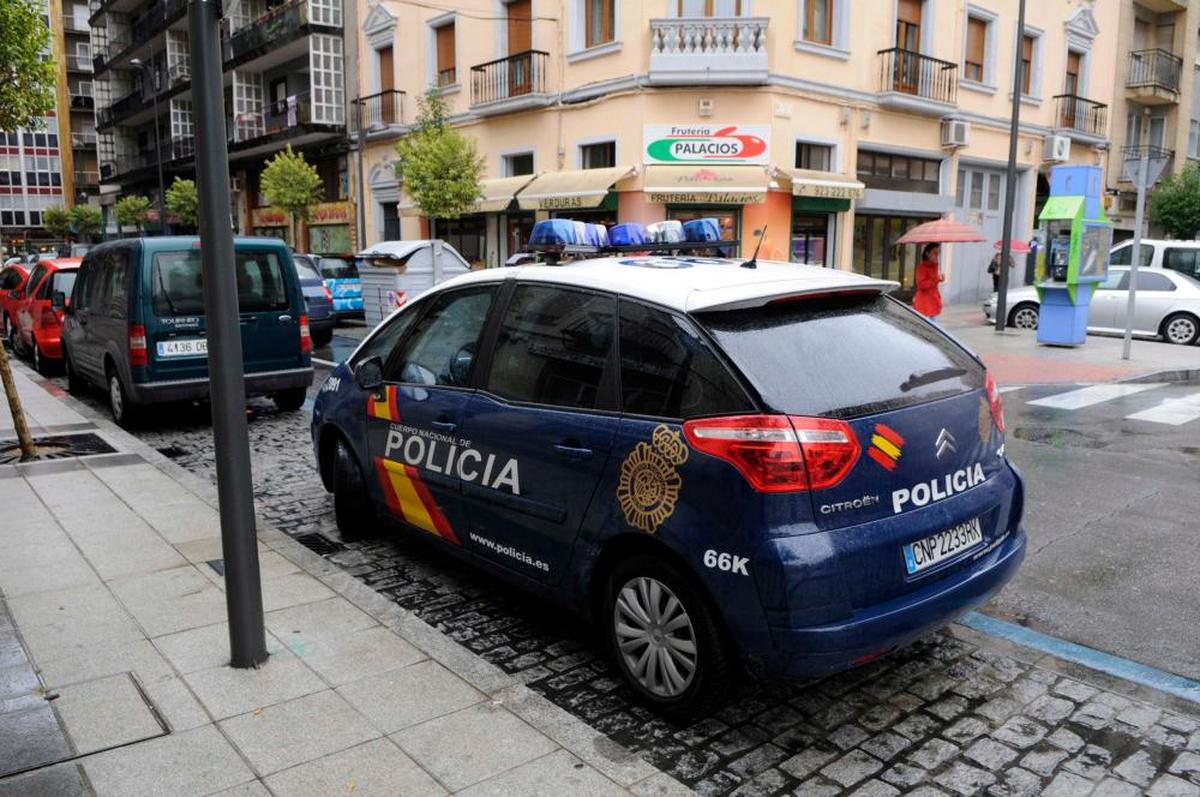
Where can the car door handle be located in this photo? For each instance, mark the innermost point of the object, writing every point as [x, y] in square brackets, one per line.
[285, 318]
[573, 450]
[445, 426]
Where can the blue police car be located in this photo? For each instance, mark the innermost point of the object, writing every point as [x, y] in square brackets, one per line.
[780, 468]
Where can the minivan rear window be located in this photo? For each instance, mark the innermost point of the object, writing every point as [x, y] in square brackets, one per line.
[842, 356]
[335, 268]
[305, 271]
[178, 287]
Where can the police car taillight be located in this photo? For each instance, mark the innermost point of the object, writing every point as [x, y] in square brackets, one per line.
[779, 453]
[993, 394]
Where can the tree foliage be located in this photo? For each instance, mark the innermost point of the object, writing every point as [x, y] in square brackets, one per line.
[291, 184]
[57, 221]
[133, 211]
[1175, 203]
[183, 201]
[87, 221]
[440, 167]
[26, 81]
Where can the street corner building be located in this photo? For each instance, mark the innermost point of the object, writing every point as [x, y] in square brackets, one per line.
[830, 126]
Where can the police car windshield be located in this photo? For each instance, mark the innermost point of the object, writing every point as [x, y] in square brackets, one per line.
[842, 356]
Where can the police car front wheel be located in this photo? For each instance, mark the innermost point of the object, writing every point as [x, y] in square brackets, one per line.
[665, 638]
[351, 503]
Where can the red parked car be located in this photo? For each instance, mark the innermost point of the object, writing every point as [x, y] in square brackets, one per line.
[39, 324]
[12, 293]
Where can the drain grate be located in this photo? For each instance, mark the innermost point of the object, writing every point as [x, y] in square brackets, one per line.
[320, 544]
[64, 446]
[173, 451]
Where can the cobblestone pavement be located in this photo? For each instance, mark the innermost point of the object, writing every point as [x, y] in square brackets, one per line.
[955, 714]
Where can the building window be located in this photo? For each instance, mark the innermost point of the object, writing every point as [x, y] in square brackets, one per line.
[598, 156]
[1071, 81]
[517, 164]
[328, 91]
[445, 72]
[1027, 47]
[708, 8]
[814, 156]
[976, 55]
[599, 20]
[817, 22]
[899, 172]
[391, 220]
[1194, 140]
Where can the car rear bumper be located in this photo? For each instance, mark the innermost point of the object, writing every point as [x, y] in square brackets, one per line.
[185, 389]
[327, 321]
[50, 347]
[820, 650]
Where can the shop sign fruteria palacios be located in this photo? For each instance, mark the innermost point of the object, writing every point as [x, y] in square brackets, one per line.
[705, 143]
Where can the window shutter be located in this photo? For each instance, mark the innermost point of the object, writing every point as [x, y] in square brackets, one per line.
[445, 49]
[976, 43]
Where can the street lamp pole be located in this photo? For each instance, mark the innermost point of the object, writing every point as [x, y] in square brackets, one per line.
[162, 193]
[1010, 186]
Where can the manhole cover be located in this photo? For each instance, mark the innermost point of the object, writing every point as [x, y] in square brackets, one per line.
[56, 447]
[320, 544]
[1059, 438]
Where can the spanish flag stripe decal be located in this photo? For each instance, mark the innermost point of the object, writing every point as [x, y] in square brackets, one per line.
[889, 434]
[389, 493]
[393, 406]
[881, 458]
[435, 512]
[886, 445]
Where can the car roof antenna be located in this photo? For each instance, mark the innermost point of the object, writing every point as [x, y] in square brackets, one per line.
[753, 261]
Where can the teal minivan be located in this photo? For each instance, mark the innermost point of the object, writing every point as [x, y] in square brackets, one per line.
[135, 326]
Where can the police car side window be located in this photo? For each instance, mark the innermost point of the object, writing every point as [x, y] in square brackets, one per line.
[553, 347]
[669, 371]
[383, 342]
[444, 342]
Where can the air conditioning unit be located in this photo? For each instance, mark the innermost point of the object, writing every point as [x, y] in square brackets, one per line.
[237, 185]
[1056, 149]
[955, 133]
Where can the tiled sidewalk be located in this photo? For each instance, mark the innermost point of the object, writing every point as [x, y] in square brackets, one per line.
[114, 662]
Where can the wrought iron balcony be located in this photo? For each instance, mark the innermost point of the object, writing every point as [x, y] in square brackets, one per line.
[275, 28]
[379, 112]
[1080, 115]
[72, 25]
[1152, 153]
[83, 139]
[1154, 76]
[518, 77]
[708, 50]
[131, 102]
[82, 102]
[155, 20]
[294, 116]
[85, 178]
[907, 74]
[80, 63]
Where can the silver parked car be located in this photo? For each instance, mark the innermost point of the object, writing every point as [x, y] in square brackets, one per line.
[1167, 306]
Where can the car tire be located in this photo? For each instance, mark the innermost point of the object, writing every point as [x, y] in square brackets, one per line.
[124, 412]
[658, 621]
[10, 334]
[322, 337]
[1024, 316]
[352, 507]
[1181, 329]
[75, 384]
[290, 400]
[39, 362]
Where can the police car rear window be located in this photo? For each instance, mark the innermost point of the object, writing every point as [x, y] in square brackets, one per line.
[842, 356]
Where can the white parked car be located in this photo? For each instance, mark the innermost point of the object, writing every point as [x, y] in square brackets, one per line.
[1181, 256]
[1167, 306]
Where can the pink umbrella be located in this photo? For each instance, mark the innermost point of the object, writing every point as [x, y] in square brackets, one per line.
[942, 231]
[1016, 247]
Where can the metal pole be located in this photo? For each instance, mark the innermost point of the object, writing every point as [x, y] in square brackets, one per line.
[362, 149]
[1010, 187]
[1144, 173]
[243, 589]
[162, 191]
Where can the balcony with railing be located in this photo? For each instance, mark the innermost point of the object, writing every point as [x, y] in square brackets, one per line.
[297, 120]
[126, 105]
[510, 84]
[1150, 153]
[82, 102]
[83, 139]
[104, 53]
[1154, 77]
[80, 63]
[708, 50]
[86, 179]
[378, 115]
[1080, 117]
[77, 26]
[277, 28]
[917, 82]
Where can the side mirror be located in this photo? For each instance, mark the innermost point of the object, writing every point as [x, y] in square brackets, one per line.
[58, 301]
[16, 296]
[368, 374]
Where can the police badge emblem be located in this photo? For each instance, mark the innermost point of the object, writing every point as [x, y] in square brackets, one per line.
[649, 486]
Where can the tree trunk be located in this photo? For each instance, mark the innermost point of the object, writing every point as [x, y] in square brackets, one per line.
[14, 405]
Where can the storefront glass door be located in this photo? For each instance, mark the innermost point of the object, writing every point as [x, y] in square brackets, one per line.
[877, 255]
[811, 241]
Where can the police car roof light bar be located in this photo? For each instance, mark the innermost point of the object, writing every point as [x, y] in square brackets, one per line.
[656, 248]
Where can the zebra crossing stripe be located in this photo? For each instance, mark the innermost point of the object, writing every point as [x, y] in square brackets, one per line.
[1010, 389]
[1094, 394]
[1173, 411]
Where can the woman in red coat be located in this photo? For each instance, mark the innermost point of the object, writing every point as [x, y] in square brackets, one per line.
[928, 300]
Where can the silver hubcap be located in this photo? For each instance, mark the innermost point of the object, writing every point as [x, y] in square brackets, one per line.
[655, 637]
[1181, 330]
[1025, 318]
[114, 395]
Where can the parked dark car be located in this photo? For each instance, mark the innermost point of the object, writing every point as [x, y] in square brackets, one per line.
[317, 298]
[135, 323]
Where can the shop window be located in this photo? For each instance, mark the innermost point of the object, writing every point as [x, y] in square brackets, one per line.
[814, 156]
[876, 253]
[730, 219]
[810, 238]
[518, 164]
[899, 172]
[467, 234]
[599, 18]
[598, 156]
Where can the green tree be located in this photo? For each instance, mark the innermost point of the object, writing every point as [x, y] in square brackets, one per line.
[133, 211]
[57, 221]
[87, 221]
[183, 201]
[441, 168]
[1175, 203]
[26, 81]
[291, 184]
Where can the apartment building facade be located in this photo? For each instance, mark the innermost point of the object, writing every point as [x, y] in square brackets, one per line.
[1155, 104]
[54, 163]
[285, 63]
[832, 125]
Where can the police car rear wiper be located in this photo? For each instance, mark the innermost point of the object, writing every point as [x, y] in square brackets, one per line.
[929, 377]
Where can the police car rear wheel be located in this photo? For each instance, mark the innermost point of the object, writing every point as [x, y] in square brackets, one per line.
[665, 638]
[351, 504]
